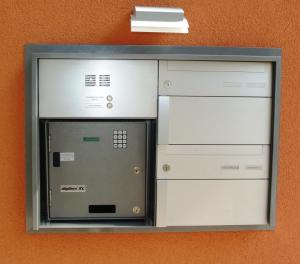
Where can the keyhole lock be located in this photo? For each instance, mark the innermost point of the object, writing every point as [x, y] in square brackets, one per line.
[136, 170]
[166, 167]
[167, 84]
[136, 210]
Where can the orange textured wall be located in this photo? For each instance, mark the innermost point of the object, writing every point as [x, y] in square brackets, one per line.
[253, 23]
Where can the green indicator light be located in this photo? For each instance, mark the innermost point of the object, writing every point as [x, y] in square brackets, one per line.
[91, 139]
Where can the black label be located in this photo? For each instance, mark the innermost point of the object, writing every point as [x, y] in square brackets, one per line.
[56, 159]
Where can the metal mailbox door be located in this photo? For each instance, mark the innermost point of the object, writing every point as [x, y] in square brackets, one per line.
[97, 169]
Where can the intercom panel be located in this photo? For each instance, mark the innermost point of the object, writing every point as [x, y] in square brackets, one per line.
[73, 88]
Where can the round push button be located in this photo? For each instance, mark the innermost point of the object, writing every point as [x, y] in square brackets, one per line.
[109, 98]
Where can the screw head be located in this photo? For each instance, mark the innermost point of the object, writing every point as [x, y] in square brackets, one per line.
[136, 170]
[166, 167]
[136, 210]
[109, 105]
[167, 84]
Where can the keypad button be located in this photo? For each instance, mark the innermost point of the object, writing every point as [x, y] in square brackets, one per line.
[119, 145]
[115, 132]
[124, 136]
[120, 132]
[120, 137]
[115, 141]
[124, 145]
[115, 145]
[124, 141]
[115, 136]
[124, 132]
[120, 141]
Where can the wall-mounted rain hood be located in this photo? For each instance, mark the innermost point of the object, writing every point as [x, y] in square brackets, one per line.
[159, 20]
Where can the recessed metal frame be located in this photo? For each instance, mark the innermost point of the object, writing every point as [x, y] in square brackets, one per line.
[35, 52]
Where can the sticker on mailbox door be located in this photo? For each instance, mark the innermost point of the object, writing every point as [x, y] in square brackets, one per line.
[72, 188]
[67, 156]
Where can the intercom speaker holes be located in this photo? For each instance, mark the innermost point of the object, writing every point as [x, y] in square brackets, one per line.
[90, 80]
[104, 80]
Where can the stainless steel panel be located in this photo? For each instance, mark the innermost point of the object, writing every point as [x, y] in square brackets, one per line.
[98, 88]
[91, 170]
[215, 78]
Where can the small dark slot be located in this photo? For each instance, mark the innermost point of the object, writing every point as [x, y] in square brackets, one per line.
[56, 159]
[102, 209]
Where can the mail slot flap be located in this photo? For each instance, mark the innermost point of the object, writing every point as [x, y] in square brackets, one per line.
[215, 78]
[97, 88]
[213, 161]
[212, 202]
[214, 120]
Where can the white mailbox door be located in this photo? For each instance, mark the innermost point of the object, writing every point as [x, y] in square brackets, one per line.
[214, 134]
[213, 162]
[215, 78]
[212, 202]
[214, 120]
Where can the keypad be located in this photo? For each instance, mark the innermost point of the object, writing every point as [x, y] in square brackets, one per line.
[120, 139]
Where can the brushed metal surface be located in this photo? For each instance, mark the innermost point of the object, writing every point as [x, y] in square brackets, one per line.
[106, 172]
[63, 91]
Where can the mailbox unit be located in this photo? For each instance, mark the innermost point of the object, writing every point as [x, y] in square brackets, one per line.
[151, 138]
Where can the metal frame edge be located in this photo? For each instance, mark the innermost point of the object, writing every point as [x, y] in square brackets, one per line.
[33, 52]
